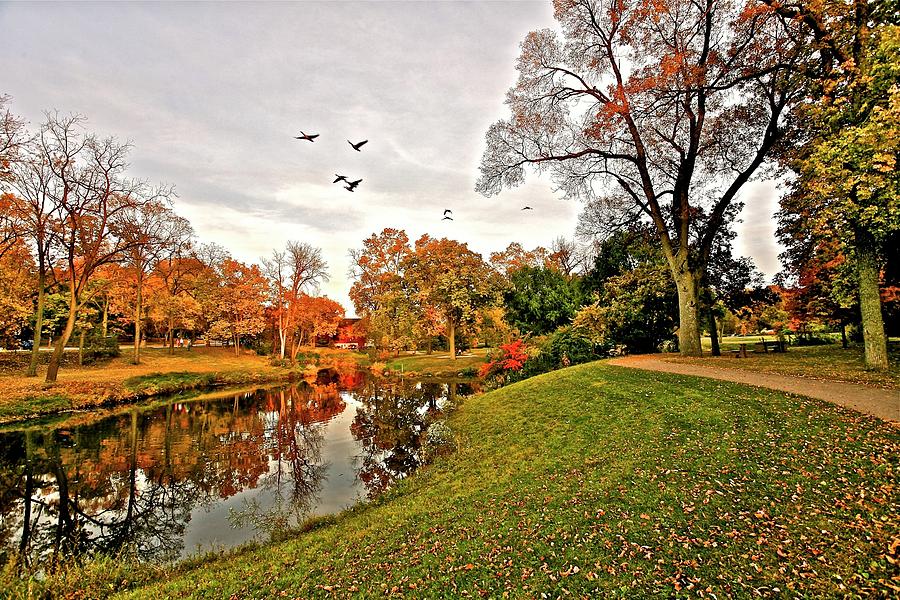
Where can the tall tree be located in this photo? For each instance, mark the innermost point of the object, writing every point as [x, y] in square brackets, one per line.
[293, 272]
[36, 203]
[847, 162]
[452, 279]
[240, 302]
[652, 108]
[380, 292]
[149, 230]
[92, 195]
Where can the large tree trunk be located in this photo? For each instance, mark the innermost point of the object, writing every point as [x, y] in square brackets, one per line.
[874, 340]
[171, 334]
[57, 356]
[714, 333]
[38, 324]
[451, 336]
[688, 313]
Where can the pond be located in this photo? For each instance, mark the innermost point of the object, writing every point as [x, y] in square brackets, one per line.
[211, 472]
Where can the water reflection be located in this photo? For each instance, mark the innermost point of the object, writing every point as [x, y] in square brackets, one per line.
[216, 471]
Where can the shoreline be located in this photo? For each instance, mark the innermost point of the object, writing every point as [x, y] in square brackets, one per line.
[92, 390]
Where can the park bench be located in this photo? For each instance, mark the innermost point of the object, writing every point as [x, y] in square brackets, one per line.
[765, 346]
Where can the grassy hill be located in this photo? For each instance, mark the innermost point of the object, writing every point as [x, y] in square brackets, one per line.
[599, 481]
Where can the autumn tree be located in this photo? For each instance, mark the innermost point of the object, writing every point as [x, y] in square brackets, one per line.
[515, 256]
[93, 194]
[316, 316]
[17, 272]
[654, 109]
[846, 164]
[380, 292]
[150, 230]
[240, 301]
[451, 278]
[187, 295]
[35, 205]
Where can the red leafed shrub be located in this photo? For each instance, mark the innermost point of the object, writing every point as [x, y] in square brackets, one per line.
[512, 358]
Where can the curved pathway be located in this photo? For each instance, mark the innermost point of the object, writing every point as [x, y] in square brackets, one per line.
[884, 404]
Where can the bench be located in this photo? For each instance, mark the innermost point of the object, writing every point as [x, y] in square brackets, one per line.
[770, 346]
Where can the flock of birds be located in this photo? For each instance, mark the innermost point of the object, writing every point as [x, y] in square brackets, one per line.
[352, 185]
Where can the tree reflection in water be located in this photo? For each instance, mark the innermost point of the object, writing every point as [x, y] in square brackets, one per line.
[390, 425]
[134, 481]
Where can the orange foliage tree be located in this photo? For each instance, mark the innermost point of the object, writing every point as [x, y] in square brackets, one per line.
[241, 296]
[452, 279]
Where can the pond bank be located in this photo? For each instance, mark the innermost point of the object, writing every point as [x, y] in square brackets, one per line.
[120, 382]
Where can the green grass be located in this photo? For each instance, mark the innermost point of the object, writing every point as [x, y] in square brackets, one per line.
[599, 481]
[161, 383]
[438, 363]
[33, 405]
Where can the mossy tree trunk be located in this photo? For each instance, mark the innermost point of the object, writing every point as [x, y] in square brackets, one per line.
[874, 339]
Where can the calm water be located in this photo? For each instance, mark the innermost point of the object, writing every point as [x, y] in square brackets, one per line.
[211, 472]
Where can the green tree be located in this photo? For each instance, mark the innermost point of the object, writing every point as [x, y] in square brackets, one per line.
[540, 299]
[847, 185]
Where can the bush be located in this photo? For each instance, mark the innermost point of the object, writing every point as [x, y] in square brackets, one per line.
[262, 347]
[100, 348]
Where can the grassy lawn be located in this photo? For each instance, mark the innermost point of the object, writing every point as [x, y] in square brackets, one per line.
[818, 362]
[599, 481]
[437, 363]
[158, 373]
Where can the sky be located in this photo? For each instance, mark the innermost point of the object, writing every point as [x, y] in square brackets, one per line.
[211, 95]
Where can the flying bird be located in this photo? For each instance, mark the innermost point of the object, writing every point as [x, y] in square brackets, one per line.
[447, 210]
[339, 178]
[348, 188]
[447, 219]
[307, 137]
[527, 208]
[357, 146]
[352, 184]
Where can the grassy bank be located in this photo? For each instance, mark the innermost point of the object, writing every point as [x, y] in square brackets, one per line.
[437, 364]
[828, 362]
[118, 381]
[598, 481]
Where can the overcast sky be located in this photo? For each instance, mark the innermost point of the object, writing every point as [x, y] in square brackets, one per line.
[211, 95]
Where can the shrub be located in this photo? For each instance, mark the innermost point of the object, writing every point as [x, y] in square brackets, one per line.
[100, 348]
[512, 359]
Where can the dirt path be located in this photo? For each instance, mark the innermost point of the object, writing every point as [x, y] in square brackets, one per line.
[884, 404]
